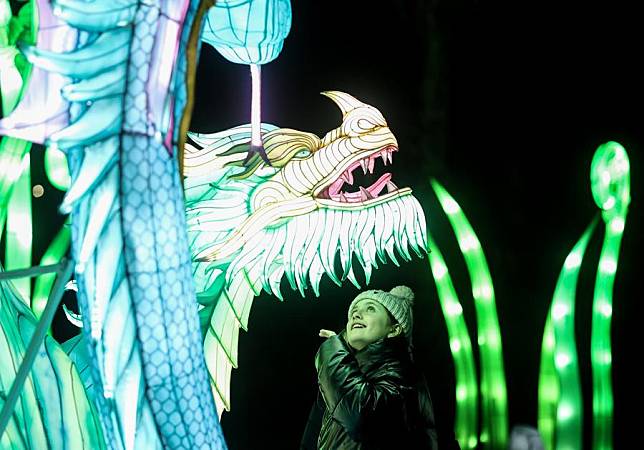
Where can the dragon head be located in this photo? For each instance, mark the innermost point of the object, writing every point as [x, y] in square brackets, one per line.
[293, 216]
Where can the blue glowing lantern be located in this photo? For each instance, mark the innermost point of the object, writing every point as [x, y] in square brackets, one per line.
[249, 32]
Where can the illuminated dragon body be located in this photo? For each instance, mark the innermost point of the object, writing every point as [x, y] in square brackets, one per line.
[251, 225]
[110, 90]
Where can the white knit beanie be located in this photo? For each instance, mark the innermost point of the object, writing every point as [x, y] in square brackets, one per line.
[398, 302]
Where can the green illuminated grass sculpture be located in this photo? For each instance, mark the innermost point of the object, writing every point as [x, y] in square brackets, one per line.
[560, 402]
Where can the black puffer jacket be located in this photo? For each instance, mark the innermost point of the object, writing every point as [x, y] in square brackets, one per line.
[372, 399]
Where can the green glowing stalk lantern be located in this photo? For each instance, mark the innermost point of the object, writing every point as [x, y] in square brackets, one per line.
[560, 401]
[560, 406]
[15, 178]
[494, 411]
[548, 387]
[610, 183]
[466, 422]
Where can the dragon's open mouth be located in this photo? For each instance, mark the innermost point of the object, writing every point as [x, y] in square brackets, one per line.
[334, 191]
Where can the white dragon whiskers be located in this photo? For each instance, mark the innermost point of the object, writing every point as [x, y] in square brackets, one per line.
[297, 261]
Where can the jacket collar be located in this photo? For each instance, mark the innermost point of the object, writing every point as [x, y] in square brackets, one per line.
[384, 350]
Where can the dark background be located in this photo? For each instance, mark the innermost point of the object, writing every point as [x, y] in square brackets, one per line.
[505, 106]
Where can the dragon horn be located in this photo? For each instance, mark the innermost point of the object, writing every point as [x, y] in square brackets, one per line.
[345, 102]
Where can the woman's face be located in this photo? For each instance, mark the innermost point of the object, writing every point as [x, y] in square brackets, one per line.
[368, 322]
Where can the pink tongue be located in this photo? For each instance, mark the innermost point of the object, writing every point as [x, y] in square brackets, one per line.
[379, 185]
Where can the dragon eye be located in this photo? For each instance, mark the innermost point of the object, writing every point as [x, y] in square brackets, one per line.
[303, 153]
[366, 124]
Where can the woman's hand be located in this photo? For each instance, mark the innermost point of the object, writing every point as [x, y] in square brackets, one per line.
[326, 333]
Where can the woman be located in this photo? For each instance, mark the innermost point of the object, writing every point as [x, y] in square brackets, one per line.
[372, 396]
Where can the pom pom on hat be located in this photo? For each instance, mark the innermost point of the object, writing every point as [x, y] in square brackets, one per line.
[405, 293]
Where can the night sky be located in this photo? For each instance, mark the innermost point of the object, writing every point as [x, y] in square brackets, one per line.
[505, 106]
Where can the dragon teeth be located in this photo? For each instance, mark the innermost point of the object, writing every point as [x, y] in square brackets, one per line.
[363, 164]
[384, 154]
[365, 194]
[371, 164]
[391, 187]
[347, 177]
[389, 155]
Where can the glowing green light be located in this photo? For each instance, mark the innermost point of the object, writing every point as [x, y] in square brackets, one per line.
[15, 186]
[461, 393]
[19, 230]
[548, 387]
[610, 184]
[617, 225]
[564, 413]
[562, 360]
[12, 155]
[559, 311]
[484, 292]
[605, 308]
[15, 179]
[439, 270]
[560, 402]
[608, 266]
[602, 358]
[454, 308]
[572, 261]
[608, 204]
[451, 207]
[468, 243]
[466, 420]
[494, 412]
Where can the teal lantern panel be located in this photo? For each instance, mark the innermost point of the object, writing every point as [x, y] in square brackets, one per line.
[248, 31]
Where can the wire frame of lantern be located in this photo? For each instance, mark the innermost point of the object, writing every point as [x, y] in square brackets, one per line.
[253, 33]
